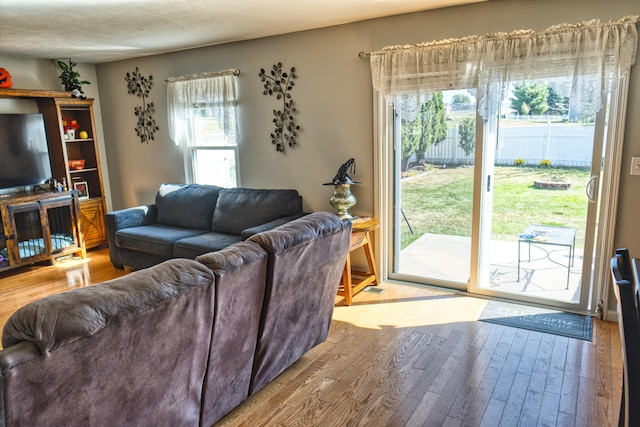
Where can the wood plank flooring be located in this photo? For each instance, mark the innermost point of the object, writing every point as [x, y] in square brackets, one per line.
[410, 356]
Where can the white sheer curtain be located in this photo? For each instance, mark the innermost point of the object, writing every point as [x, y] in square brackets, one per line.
[215, 93]
[592, 53]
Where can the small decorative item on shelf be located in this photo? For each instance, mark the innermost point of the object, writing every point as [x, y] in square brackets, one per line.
[70, 127]
[82, 189]
[70, 78]
[83, 134]
[76, 164]
[5, 79]
[342, 199]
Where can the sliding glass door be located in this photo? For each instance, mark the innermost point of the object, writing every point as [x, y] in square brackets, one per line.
[434, 195]
[504, 205]
[541, 163]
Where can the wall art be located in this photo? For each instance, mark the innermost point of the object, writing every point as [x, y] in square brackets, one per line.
[140, 86]
[280, 83]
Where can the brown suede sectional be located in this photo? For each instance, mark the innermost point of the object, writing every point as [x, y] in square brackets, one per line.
[179, 343]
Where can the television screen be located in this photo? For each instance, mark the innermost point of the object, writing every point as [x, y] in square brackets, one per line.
[24, 155]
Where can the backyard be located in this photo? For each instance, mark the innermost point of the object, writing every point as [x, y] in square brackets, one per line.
[439, 201]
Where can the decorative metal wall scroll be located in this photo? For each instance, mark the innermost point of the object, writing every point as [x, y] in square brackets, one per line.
[280, 83]
[140, 86]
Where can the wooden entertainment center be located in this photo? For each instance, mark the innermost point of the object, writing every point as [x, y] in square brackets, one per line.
[74, 159]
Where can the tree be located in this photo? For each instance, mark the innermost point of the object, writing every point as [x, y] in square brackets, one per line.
[530, 98]
[429, 128]
[434, 124]
[411, 131]
[467, 131]
[460, 99]
[557, 104]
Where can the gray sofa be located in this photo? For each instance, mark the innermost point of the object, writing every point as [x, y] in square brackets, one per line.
[188, 220]
[177, 344]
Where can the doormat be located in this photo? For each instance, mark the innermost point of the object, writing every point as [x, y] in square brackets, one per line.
[538, 319]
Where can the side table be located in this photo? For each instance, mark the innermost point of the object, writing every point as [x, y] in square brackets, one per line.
[548, 235]
[360, 238]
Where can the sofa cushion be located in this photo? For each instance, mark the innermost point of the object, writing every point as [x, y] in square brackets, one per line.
[156, 239]
[186, 205]
[241, 208]
[191, 247]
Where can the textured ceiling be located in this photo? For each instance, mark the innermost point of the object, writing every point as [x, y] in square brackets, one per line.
[96, 31]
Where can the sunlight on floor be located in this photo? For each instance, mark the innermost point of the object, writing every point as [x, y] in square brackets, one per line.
[378, 311]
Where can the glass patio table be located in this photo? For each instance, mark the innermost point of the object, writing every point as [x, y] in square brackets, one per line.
[547, 235]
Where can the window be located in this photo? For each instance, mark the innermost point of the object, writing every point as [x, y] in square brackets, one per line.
[211, 158]
[203, 121]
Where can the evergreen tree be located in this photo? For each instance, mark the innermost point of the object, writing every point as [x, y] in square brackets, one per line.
[467, 131]
[434, 124]
[557, 104]
[530, 98]
[429, 128]
[411, 131]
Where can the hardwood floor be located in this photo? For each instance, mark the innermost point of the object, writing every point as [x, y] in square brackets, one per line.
[408, 356]
[23, 285]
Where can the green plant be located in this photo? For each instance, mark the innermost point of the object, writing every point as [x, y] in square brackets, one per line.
[545, 162]
[519, 162]
[281, 83]
[69, 77]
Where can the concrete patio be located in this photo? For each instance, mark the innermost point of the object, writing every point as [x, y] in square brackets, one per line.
[447, 258]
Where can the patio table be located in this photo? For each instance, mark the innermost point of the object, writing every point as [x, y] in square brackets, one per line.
[547, 235]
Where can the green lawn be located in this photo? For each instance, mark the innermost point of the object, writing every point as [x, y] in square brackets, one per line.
[440, 201]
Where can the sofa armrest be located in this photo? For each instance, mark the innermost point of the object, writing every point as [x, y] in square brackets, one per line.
[248, 232]
[125, 218]
[133, 217]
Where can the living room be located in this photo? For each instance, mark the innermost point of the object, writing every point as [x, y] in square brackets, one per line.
[333, 94]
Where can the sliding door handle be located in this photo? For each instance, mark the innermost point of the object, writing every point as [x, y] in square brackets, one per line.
[592, 186]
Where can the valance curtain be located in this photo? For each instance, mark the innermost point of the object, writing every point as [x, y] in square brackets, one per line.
[211, 94]
[586, 58]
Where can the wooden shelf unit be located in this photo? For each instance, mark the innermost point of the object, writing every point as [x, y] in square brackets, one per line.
[56, 106]
[63, 150]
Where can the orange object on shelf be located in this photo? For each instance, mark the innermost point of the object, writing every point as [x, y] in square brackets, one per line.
[76, 164]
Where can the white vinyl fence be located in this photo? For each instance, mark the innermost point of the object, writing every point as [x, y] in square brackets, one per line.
[562, 145]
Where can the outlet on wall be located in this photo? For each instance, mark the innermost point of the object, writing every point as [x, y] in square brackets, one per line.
[635, 166]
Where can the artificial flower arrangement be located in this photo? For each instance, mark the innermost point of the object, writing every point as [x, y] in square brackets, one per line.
[70, 127]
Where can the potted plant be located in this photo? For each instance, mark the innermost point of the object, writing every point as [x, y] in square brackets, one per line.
[70, 78]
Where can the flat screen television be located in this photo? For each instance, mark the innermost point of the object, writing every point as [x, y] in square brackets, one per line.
[24, 154]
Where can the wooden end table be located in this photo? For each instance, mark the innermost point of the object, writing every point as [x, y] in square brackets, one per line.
[353, 281]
